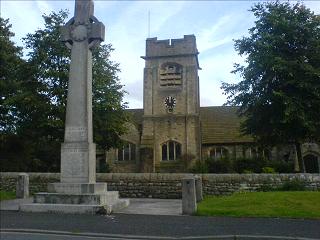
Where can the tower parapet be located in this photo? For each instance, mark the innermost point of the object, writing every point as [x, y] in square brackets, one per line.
[174, 47]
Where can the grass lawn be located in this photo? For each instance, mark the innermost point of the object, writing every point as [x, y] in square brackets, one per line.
[263, 204]
[7, 195]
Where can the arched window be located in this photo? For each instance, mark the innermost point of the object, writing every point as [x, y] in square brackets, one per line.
[171, 151]
[266, 154]
[127, 152]
[218, 153]
[250, 152]
[312, 163]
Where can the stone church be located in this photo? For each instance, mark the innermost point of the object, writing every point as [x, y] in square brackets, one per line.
[172, 130]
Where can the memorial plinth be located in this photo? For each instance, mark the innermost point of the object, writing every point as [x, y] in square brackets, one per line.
[88, 198]
[78, 191]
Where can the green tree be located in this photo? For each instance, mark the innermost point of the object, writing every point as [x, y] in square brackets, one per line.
[43, 91]
[109, 117]
[10, 62]
[280, 91]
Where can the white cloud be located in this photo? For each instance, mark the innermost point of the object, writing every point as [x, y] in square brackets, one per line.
[43, 7]
[313, 5]
[214, 23]
[217, 69]
[207, 37]
[135, 94]
[21, 24]
[128, 36]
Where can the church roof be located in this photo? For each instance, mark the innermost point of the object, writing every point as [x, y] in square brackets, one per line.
[136, 115]
[219, 124]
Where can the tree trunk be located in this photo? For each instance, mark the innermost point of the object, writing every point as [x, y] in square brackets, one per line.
[299, 155]
[295, 161]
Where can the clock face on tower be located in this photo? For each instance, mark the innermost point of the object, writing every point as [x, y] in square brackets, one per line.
[170, 103]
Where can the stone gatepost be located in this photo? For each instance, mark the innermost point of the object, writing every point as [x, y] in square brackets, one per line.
[189, 202]
[22, 187]
[199, 191]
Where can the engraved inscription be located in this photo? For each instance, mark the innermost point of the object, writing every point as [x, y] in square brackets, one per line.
[76, 133]
[73, 162]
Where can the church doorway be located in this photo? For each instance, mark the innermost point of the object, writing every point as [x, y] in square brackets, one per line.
[311, 162]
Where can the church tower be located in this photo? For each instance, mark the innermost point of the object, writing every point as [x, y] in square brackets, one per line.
[171, 128]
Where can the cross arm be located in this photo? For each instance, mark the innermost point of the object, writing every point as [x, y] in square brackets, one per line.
[66, 36]
[97, 34]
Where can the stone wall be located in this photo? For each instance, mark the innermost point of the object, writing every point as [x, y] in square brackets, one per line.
[144, 185]
[37, 181]
[224, 184]
[161, 185]
[132, 137]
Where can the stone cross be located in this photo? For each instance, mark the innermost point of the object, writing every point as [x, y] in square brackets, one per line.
[78, 156]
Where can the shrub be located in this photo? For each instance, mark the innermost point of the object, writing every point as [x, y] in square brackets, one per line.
[188, 160]
[105, 168]
[268, 170]
[223, 165]
[282, 166]
[199, 167]
[241, 165]
[249, 164]
[266, 188]
[293, 185]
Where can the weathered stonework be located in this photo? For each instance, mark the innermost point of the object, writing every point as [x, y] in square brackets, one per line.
[77, 191]
[22, 186]
[189, 197]
[161, 185]
[182, 124]
[171, 72]
[133, 137]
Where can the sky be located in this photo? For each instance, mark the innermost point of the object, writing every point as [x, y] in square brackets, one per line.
[216, 24]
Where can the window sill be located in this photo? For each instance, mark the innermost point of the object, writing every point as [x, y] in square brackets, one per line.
[125, 162]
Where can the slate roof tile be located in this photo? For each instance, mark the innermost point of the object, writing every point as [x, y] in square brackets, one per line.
[219, 124]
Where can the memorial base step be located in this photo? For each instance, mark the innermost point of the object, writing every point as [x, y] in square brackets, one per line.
[75, 208]
[77, 188]
[89, 199]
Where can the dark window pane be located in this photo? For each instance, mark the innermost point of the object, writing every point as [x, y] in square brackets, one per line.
[212, 153]
[133, 152]
[244, 152]
[171, 150]
[225, 153]
[126, 152]
[254, 152]
[267, 154]
[120, 154]
[164, 152]
[218, 153]
[311, 163]
[178, 150]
